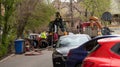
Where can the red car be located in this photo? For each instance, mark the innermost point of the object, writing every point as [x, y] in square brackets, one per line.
[105, 54]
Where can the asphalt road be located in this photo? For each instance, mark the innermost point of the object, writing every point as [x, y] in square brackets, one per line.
[43, 60]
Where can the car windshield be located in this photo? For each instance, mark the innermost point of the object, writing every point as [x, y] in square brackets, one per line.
[71, 41]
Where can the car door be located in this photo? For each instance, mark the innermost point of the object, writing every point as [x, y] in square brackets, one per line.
[115, 60]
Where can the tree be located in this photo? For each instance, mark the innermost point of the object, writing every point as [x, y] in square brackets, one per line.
[9, 8]
[40, 17]
[31, 14]
[5, 24]
[24, 11]
[96, 7]
[19, 14]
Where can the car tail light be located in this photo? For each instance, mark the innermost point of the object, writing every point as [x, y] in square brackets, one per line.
[88, 64]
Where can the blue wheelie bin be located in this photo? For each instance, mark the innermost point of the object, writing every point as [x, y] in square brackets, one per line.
[19, 46]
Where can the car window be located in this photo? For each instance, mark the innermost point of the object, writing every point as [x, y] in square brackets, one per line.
[71, 41]
[90, 45]
[95, 48]
[116, 48]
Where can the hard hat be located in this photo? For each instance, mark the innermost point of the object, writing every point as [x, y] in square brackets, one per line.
[93, 18]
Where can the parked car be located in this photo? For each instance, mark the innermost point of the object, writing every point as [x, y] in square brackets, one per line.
[105, 54]
[64, 44]
[77, 55]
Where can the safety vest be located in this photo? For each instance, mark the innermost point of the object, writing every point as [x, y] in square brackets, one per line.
[43, 35]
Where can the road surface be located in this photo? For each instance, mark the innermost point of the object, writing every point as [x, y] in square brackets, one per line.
[43, 60]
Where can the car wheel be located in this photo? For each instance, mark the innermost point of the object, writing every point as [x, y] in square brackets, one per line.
[78, 65]
[54, 64]
[44, 44]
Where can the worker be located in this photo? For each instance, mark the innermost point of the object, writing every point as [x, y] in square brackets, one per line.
[43, 35]
[54, 26]
[94, 22]
[95, 25]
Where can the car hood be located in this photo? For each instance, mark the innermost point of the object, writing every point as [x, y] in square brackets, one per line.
[64, 50]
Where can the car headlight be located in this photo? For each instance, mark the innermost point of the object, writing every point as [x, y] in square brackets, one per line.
[56, 54]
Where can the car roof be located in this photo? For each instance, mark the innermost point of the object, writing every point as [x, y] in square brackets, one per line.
[100, 37]
[106, 36]
[77, 35]
[115, 39]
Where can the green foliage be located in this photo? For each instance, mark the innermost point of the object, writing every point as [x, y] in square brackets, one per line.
[96, 7]
[9, 7]
[3, 51]
[5, 47]
[7, 25]
[41, 16]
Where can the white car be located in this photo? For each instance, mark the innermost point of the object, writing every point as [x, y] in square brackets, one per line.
[64, 44]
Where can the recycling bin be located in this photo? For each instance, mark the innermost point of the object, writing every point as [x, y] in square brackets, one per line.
[19, 46]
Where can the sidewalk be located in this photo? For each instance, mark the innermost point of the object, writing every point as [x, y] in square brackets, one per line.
[6, 58]
[30, 53]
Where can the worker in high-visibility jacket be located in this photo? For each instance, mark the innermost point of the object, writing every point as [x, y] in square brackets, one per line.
[44, 42]
[43, 35]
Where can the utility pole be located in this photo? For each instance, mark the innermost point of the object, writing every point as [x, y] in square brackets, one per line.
[71, 12]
